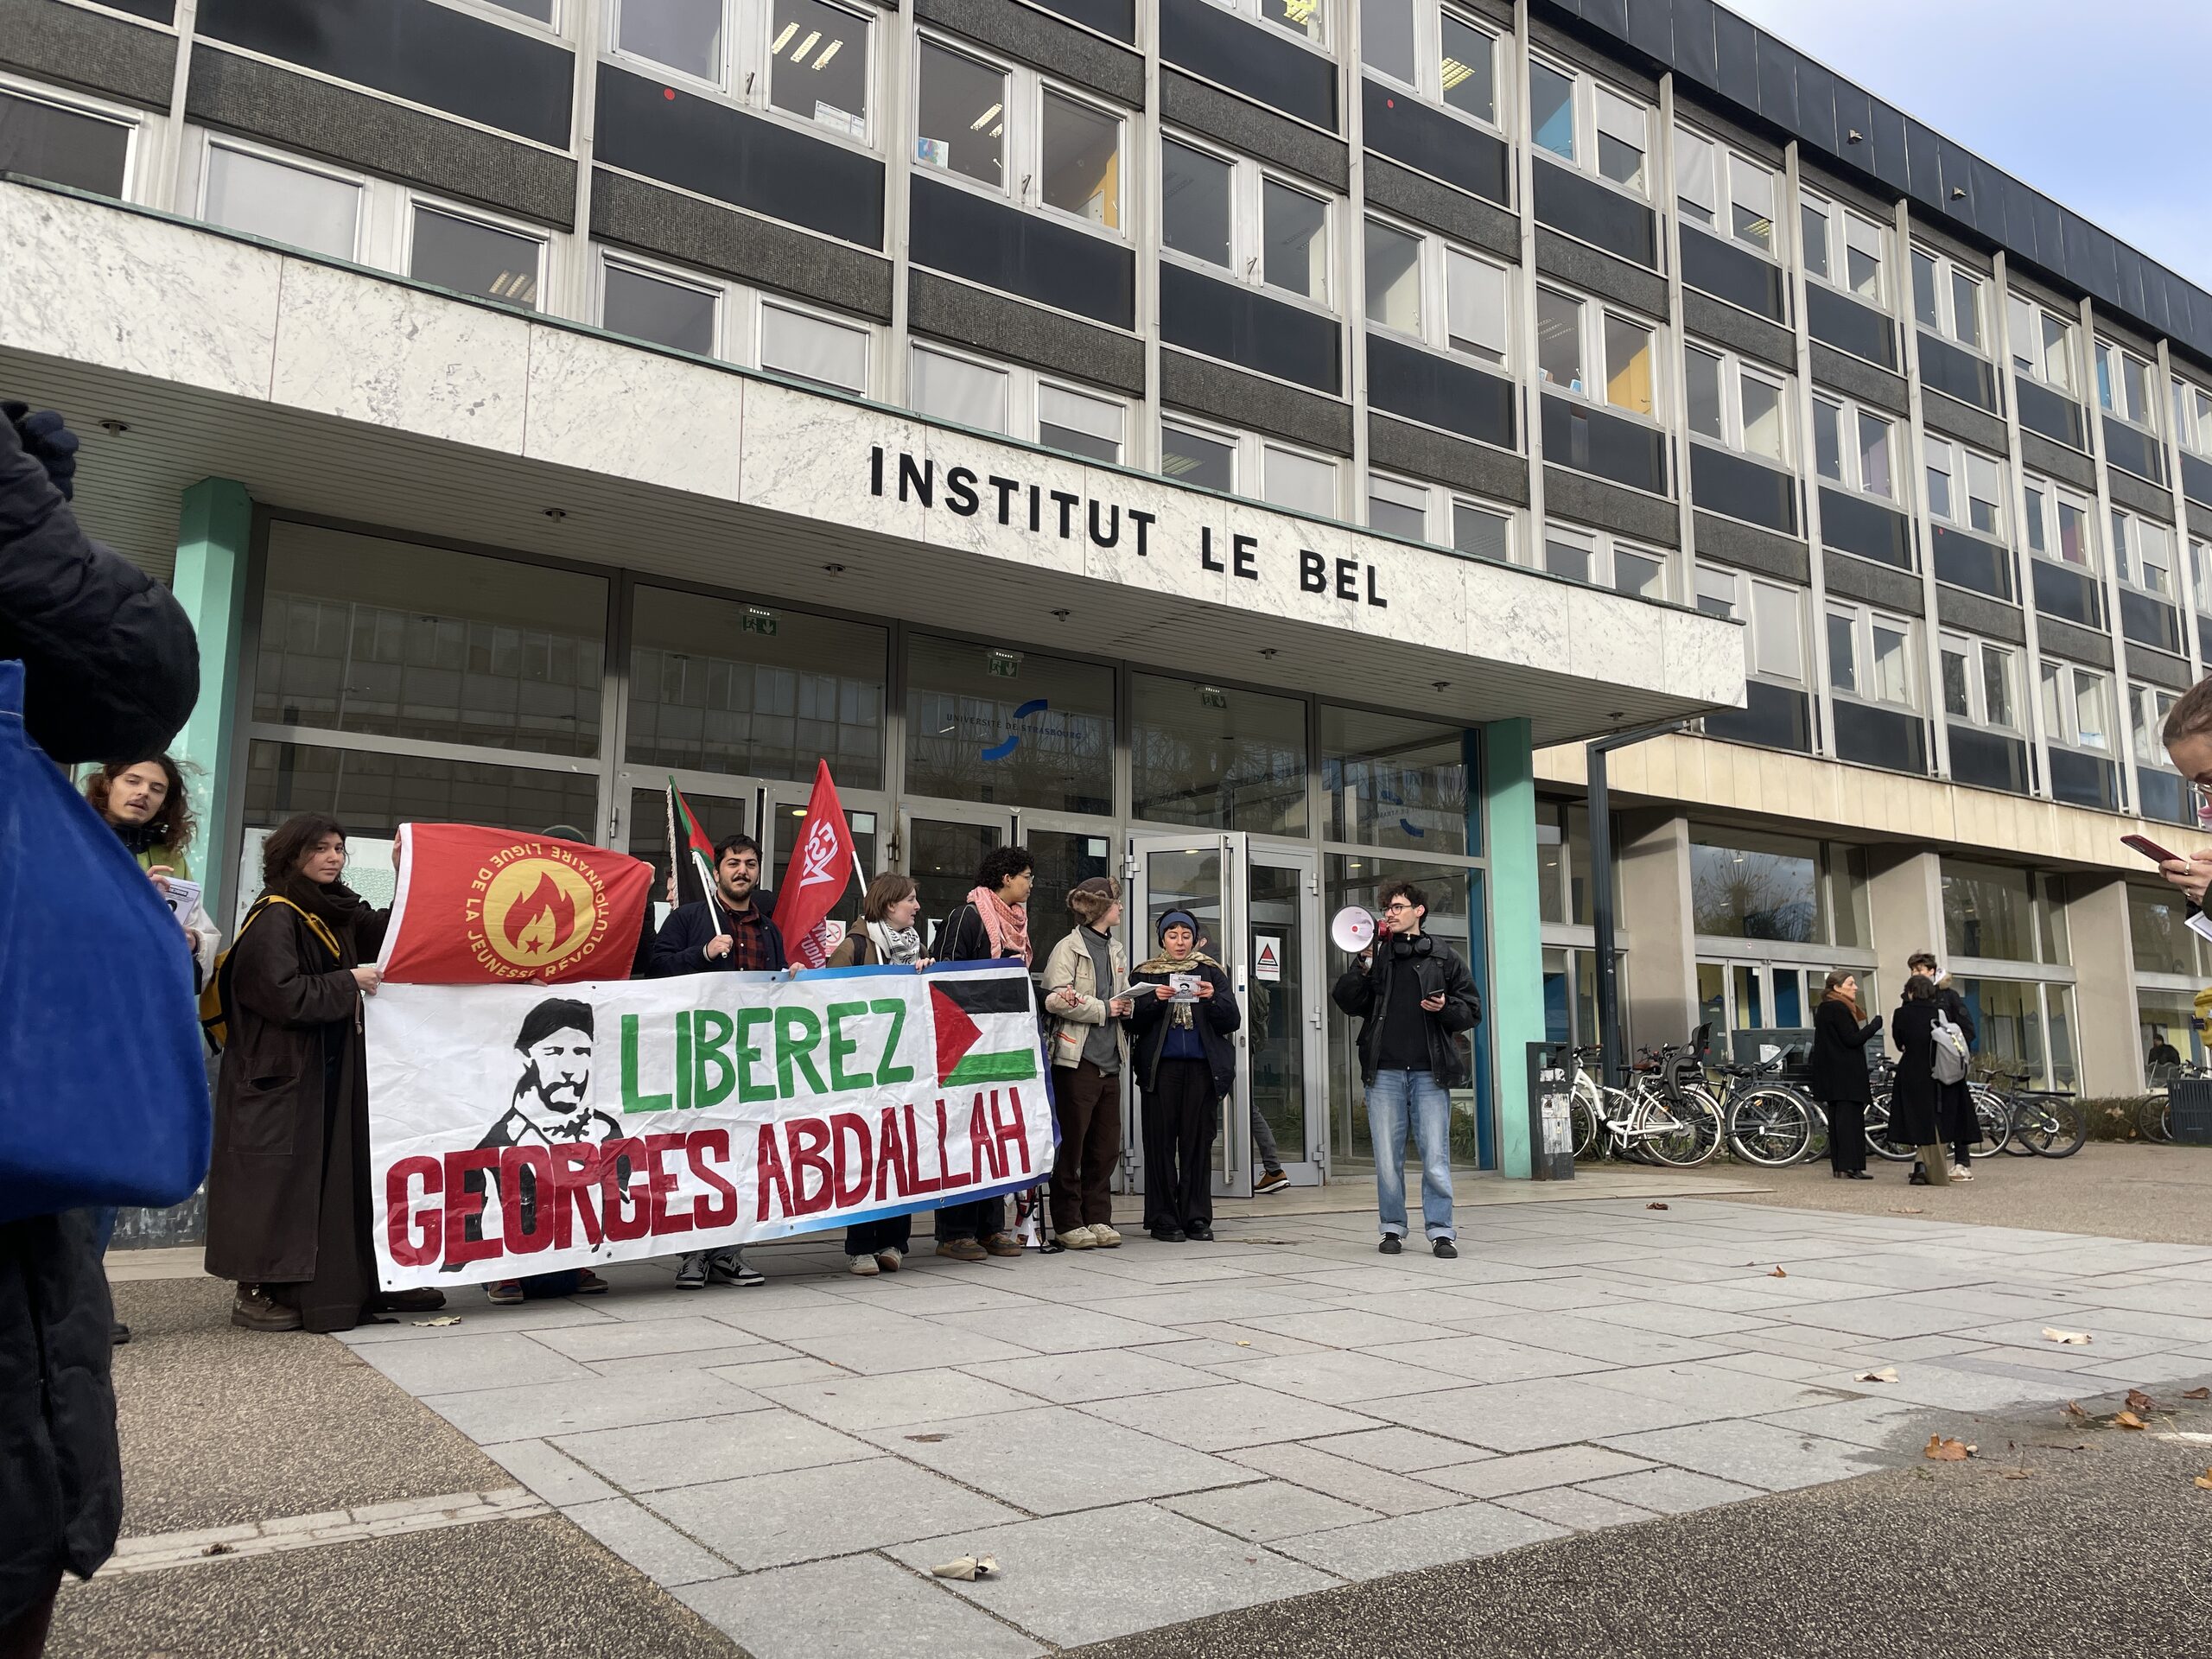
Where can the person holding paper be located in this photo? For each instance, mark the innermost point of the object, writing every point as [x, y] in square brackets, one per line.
[145, 803]
[1183, 1015]
[1085, 977]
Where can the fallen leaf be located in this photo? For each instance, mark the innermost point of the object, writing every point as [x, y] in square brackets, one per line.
[2205, 1479]
[217, 1549]
[2074, 1408]
[968, 1568]
[2072, 1339]
[1887, 1374]
[2196, 1393]
[1777, 1274]
[925, 1438]
[446, 1319]
[1241, 1343]
[2127, 1420]
[1907, 1212]
[1939, 1450]
[2139, 1400]
[1655, 1206]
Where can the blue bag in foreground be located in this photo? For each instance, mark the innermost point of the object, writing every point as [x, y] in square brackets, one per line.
[103, 1088]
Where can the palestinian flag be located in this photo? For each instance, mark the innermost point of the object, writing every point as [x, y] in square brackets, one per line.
[986, 1028]
[690, 851]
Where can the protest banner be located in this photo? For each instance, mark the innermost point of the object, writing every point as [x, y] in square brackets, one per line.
[515, 1129]
[483, 906]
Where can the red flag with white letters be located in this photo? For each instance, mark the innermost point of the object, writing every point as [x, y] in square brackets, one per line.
[490, 906]
[815, 879]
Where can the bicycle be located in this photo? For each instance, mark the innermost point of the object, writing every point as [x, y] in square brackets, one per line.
[2049, 1123]
[2154, 1112]
[1642, 1121]
[1992, 1114]
[1772, 1124]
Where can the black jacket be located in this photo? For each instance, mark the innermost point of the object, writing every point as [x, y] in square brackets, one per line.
[1214, 1020]
[1366, 994]
[110, 665]
[961, 937]
[1913, 1116]
[1837, 1070]
[681, 945]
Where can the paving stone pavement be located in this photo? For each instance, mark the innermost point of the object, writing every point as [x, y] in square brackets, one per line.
[1158, 1433]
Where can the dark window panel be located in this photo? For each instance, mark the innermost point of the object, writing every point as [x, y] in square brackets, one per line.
[1003, 247]
[697, 143]
[2137, 451]
[1728, 272]
[1697, 50]
[2084, 781]
[1651, 30]
[1239, 325]
[413, 49]
[1738, 43]
[1816, 86]
[1591, 440]
[1989, 761]
[1779, 82]
[1837, 320]
[44, 141]
[1773, 716]
[1885, 138]
[1888, 738]
[1611, 16]
[2205, 639]
[1248, 58]
[2195, 477]
[1595, 213]
[1967, 560]
[1422, 137]
[1440, 391]
[2056, 417]
[2069, 595]
[1961, 374]
[1851, 523]
[1723, 481]
[2165, 797]
[2148, 621]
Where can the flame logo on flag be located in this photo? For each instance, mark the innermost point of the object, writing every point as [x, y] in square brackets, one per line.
[539, 912]
[542, 920]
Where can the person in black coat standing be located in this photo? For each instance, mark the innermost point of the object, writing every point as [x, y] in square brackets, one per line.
[1955, 1101]
[1838, 1068]
[1183, 1065]
[110, 668]
[1916, 1107]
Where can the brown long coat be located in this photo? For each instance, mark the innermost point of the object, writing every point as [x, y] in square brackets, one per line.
[288, 1196]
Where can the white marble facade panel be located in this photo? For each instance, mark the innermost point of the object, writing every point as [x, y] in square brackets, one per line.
[602, 407]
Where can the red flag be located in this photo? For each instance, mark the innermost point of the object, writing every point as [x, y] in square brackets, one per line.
[690, 851]
[488, 907]
[815, 879]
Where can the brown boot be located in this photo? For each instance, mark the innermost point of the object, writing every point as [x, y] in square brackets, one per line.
[961, 1250]
[251, 1310]
[1003, 1245]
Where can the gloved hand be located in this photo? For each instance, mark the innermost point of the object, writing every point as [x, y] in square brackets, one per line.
[49, 442]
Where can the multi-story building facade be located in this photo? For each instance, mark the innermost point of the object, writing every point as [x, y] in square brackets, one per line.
[1250, 444]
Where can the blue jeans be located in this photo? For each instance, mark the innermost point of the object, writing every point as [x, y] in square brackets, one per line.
[1391, 1099]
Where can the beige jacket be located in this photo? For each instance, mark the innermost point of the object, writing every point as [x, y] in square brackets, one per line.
[1074, 999]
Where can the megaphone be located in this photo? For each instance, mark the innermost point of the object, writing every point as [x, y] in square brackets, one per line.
[1352, 929]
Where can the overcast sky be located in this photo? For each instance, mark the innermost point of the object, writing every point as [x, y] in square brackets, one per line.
[2098, 104]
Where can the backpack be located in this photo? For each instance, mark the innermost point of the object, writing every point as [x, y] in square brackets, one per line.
[215, 999]
[1950, 1066]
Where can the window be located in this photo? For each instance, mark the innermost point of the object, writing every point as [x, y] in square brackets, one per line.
[1232, 462]
[1589, 125]
[1982, 683]
[1773, 618]
[1843, 248]
[2043, 344]
[2147, 708]
[1433, 51]
[1733, 403]
[1594, 352]
[64, 144]
[538, 11]
[1601, 559]
[1402, 507]
[2200, 574]
[1009, 130]
[2124, 384]
[2058, 524]
[808, 347]
[2193, 417]
[1234, 215]
[689, 311]
[2076, 704]
[2142, 552]
[1306, 19]
[303, 207]
[1852, 447]
[1870, 656]
[1423, 286]
[1728, 193]
[1015, 401]
[647, 306]
[1966, 488]
[810, 60]
[1946, 299]
[470, 257]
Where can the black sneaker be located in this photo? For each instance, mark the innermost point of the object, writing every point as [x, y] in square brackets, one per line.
[1168, 1235]
[1391, 1244]
[1445, 1251]
[730, 1268]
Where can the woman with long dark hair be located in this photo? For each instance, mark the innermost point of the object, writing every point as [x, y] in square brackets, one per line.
[288, 1191]
[1915, 1114]
[1840, 1033]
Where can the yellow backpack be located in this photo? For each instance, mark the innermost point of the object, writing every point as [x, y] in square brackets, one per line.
[215, 999]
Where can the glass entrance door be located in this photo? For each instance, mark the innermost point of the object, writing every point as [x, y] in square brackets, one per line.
[1258, 911]
[784, 817]
[638, 818]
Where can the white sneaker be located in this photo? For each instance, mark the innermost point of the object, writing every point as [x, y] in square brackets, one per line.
[1080, 1238]
[863, 1265]
[1104, 1236]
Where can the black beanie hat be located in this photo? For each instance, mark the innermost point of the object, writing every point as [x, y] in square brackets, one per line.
[554, 1013]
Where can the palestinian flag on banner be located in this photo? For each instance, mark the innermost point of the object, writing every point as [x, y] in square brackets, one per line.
[690, 851]
[986, 1028]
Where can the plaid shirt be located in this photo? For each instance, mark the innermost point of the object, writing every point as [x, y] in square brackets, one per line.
[748, 929]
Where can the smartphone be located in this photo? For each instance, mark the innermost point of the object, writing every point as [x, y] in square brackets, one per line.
[2151, 849]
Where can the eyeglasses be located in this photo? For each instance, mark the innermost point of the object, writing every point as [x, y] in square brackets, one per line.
[1395, 906]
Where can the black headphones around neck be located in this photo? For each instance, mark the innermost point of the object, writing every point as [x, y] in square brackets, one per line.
[1420, 945]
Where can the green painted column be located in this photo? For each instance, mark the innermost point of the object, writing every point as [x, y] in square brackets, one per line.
[213, 539]
[1515, 1015]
